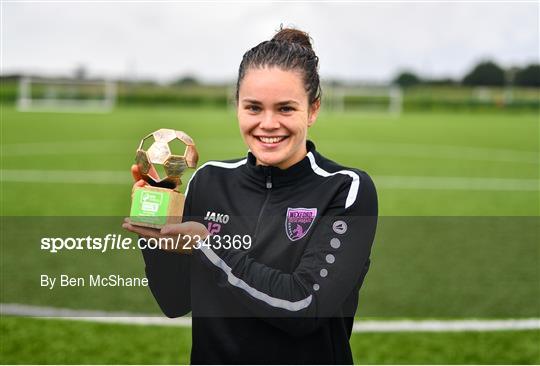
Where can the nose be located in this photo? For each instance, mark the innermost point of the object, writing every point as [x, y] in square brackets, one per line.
[269, 121]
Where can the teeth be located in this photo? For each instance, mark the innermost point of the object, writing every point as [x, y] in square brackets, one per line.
[271, 140]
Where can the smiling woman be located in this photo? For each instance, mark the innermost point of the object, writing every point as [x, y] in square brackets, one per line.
[278, 98]
[274, 115]
[291, 295]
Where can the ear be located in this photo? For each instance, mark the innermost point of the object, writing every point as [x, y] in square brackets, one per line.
[314, 112]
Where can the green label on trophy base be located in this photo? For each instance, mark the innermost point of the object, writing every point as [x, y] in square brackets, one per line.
[150, 206]
[155, 207]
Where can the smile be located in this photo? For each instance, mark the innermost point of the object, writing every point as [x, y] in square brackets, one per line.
[271, 140]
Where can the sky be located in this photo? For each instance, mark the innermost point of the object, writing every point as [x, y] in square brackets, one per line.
[355, 41]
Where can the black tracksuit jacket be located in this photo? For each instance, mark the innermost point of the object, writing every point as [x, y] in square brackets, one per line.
[290, 298]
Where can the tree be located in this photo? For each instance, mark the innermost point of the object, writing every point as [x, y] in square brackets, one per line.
[486, 73]
[529, 76]
[187, 80]
[406, 79]
[439, 82]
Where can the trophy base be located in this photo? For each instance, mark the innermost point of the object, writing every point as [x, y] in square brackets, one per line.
[156, 207]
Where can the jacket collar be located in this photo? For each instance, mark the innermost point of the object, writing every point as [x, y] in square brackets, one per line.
[274, 176]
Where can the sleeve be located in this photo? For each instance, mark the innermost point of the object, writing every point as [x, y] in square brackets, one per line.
[169, 273]
[330, 269]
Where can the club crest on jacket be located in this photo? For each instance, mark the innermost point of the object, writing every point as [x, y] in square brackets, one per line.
[299, 221]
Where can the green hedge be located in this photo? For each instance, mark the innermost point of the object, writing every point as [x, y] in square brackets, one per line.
[415, 99]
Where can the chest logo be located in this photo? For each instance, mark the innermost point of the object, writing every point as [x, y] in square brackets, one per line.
[299, 221]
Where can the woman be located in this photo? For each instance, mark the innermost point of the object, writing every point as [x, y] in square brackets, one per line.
[289, 292]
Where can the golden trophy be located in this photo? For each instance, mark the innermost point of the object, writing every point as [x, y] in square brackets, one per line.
[160, 202]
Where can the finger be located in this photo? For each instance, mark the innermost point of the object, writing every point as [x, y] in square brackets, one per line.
[174, 229]
[140, 183]
[143, 231]
[132, 228]
[135, 172]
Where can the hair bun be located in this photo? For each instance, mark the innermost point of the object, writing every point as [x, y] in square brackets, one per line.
[293, 36]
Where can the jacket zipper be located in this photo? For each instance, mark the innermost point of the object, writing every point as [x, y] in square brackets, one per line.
[268, 182]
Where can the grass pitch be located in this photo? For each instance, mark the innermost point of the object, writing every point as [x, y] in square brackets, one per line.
[458, 199]
[437, 146]
[38, 341]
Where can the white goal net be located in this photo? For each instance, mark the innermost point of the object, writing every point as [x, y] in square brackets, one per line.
[65, 95]
[368, 99]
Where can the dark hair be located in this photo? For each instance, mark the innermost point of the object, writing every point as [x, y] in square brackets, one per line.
[289, 49]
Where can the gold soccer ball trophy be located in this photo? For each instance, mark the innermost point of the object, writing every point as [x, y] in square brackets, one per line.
[160, 202]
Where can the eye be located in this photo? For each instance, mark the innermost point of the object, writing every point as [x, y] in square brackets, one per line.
[286, 109]
[253, 108]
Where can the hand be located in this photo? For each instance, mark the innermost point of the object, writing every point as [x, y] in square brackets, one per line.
[187, 231]
[137, 177]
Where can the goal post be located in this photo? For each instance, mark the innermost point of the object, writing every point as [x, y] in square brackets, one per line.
[65, 95]
[368, 99]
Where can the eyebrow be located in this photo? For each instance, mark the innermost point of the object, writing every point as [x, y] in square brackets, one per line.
[255, 101]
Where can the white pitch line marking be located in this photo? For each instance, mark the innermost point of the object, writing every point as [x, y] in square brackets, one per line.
[66, 147]
[437, 152]
[66, 176]
[381, 181]
[469, 325]
[96, 316]
[364, 326]
[456, 183]
[451, 152]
